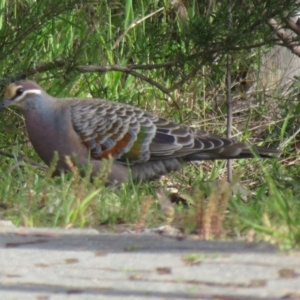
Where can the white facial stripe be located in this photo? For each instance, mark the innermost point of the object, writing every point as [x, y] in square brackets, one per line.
[25, 93]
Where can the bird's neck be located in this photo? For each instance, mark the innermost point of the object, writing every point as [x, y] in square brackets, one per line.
[43, 118]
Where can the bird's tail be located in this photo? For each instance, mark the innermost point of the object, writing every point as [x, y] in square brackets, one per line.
[235, 151]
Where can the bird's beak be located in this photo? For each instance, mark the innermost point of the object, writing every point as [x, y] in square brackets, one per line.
[5, 103]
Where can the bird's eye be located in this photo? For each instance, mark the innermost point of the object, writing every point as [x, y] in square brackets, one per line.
[19, 92]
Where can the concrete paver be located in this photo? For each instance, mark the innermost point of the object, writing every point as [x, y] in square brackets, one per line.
[74, 264]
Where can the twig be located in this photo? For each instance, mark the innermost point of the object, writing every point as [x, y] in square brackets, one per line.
[125, 68]
[228, 95]
[41, 68]
[292, 25]
[25, 159]
[151, 81]
[129, 69]
[285, 36]
[133, 24]
[184, 80]
[15, 166]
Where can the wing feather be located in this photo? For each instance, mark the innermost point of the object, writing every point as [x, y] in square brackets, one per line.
[110, 128]
[132, 135]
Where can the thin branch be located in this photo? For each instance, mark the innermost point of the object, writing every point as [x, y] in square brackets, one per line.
[228, 95]
[285, 36]
[292, 25]
[124, 68]
[229, 111]
[184, 80]
[151, 81]
[159, 86]
[129, 69]
[133, 24]
[41, 68]
[25, 159]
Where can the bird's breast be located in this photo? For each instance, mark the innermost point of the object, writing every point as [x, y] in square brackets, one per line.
[50, 134]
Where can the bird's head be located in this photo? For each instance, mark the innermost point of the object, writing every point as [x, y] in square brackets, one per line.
[22, 94]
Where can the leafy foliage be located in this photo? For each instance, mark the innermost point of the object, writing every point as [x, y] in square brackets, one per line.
[169, 57]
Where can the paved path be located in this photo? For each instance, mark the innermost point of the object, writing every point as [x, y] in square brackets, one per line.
[46, 264]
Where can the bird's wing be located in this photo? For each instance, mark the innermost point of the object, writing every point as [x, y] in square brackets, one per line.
[132, 135]
[110, 128]
[175, 140]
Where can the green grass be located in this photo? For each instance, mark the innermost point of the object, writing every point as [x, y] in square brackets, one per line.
[32, 198]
